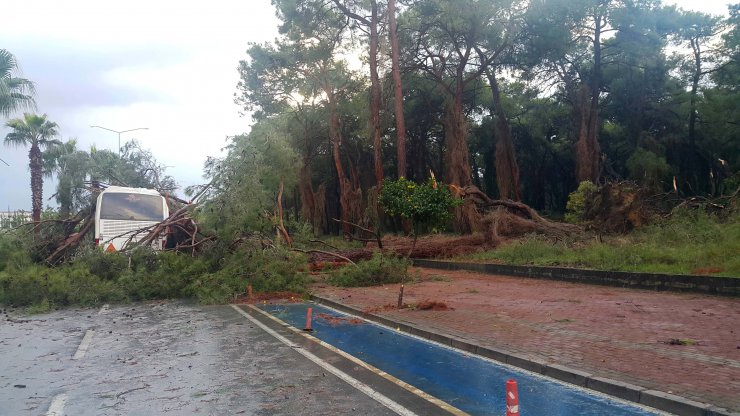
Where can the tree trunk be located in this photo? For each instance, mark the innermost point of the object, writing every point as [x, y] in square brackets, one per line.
[694, 90]
[375, 94]
[507, 169]
[587, 146]
[458, 167]
[396, 72]
[306, 191]
[35, 164]
[335, 133]
[588, 152]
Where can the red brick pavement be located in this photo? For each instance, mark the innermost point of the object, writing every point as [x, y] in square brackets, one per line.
[623, 334]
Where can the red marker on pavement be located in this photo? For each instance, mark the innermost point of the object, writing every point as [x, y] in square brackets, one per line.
[309, 312]
[512, 399]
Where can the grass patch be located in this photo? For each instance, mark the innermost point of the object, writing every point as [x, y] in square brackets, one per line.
[688, 243]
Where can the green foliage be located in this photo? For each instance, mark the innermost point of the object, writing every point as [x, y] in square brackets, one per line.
[578, 201]
[15, 93]
[379, 270]
[267, 270]
[13, 253]
[94, 277]
[70, 285]
[648, 169]
[426, 204]
[246, 181]
[690, 241]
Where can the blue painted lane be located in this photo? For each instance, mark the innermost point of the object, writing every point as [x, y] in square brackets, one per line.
[470, 383]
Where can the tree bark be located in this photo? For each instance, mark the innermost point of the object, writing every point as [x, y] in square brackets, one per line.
[694, 90]
[507, 169]
[397, 89]
[375, 93]
[588, 152]
[344, 184]
[458, 167]
[35, 164]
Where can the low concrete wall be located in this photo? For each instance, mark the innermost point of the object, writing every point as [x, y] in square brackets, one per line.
[727, 286]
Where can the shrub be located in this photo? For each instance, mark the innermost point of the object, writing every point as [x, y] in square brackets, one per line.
[578, 200]
[377, 271]
[424, 204]
[13, 252]
[648, 169]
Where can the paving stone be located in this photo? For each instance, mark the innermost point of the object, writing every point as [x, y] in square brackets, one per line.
[687, 345]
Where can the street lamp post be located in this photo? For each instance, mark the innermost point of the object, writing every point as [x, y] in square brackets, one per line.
[119, 134]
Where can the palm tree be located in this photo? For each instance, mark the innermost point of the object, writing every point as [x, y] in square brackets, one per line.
[38, 132]
[15, 93]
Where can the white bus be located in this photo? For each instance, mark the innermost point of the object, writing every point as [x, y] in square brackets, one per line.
[121, 212]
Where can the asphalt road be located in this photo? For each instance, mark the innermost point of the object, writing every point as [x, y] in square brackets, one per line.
[162, 358]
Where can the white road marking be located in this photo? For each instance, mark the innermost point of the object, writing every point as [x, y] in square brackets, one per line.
[377, 396]
[104, 309]
[84, 345]
[57, 406]
[428, 397]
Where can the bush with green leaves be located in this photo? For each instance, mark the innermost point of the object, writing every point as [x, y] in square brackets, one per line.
[13, 252]
[427, 204]
[578, 202]
[648, 169]
[268, 269]
[379, 270]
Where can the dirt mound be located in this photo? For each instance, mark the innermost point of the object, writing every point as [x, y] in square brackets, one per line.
[339, 320]
[432, 305]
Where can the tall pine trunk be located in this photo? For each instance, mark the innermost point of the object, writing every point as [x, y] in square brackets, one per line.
[459, 175]
[375, 94]
[397, 89]
[335, 136]
[507, 169]
[588, 151]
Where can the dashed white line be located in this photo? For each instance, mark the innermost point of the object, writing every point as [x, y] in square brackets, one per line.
[57, 406]
[377, 396]
[84, 345]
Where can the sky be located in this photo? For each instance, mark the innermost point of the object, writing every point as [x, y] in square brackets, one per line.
[166, 65]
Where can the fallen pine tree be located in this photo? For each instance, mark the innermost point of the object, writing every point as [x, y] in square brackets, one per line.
[56, 241]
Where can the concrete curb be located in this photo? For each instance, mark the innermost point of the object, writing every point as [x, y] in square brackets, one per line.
[725, 286]
[652, 398]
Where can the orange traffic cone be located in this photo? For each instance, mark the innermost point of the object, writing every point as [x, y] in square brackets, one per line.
[309, 312]
[512, 399]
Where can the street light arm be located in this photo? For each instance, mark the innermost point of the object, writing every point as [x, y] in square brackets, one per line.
[119, 134]
[123, 131]
[105, 128]
[138, 128]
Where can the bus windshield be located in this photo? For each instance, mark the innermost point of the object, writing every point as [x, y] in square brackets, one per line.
[131, 207]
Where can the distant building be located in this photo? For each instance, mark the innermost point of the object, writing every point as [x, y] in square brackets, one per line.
[10, 219]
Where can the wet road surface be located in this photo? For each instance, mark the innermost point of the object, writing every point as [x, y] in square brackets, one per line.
[163, 358]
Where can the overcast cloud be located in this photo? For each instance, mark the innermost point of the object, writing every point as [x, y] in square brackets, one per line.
[166, 65]
[169, 66]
